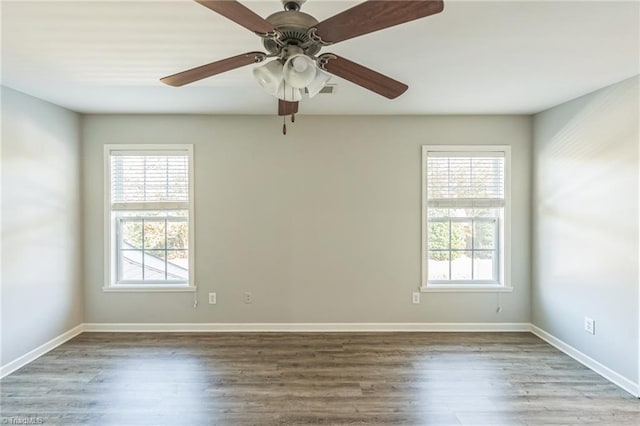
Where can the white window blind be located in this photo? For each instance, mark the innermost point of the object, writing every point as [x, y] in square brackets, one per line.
[149, 180]
[465, 180]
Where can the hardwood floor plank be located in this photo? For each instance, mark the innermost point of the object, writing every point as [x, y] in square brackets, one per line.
[312, 378]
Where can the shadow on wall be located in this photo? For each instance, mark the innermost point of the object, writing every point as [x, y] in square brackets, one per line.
[41, 224]
[586, 229]
[580, 166]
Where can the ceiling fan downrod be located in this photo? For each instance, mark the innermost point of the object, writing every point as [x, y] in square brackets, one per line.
[292, 5]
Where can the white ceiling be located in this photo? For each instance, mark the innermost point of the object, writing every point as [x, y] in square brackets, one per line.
[476, 57]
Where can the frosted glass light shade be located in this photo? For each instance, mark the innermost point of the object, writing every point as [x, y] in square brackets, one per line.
[288, 93]
[321, 80]
[299, 71]
[269, 76]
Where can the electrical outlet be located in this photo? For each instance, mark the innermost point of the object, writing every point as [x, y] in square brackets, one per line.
[212, 299]
[589, 325]
[415, 297]
[248, 298]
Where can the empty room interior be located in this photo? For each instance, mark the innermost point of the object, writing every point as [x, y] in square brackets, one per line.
[320, 212]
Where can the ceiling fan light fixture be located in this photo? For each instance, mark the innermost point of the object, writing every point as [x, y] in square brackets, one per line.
[321, 79]
[299, 71]
[269, 76]
[295, 38]
[299, 64]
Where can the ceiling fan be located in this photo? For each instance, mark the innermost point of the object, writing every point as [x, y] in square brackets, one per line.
[294, 39]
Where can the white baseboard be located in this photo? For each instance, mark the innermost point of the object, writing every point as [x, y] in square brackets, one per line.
[305, 327]
[30, 356]
[587, 361]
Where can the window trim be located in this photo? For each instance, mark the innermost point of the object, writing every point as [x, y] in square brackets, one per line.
[110, 228]
[504, 270]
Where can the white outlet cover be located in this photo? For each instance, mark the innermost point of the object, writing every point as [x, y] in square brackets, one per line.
[589, 325]
[212, 299]
[415, 297]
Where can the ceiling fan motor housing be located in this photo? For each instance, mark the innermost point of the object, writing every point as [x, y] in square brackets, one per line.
[292, 26]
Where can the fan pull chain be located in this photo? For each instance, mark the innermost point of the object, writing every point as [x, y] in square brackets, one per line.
[293, 114]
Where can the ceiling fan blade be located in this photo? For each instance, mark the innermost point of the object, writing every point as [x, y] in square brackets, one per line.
[204, 71]
[374, 15]
[286, 107]
[362, 76]
[239, 14]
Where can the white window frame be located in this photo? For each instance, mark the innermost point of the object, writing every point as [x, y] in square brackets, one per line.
[504, 262]
[110, 226]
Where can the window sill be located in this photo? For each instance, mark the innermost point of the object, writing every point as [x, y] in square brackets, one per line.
[462, 288]
[148, 289]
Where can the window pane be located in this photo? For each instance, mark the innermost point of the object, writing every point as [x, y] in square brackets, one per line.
[160, 228]
[438, 235]
[438, 266]
[461, 235]
[461, 265]
[487, 212]
[460, 212]
[432, 212]
[131, 232]
[177, 264]
[154, 234]
[177, 235]
[484, 237]
[130, 263]
[483, 265]
[154, 265]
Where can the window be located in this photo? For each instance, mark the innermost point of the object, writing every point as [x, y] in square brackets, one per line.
[465, 218]
[149, 217]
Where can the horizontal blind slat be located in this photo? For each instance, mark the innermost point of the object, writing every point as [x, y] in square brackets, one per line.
[468, 179]
[465, 203]
[149, 178]
[137, 206]
[466, 154]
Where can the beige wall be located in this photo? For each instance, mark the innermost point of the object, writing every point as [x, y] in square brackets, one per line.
[322, 225]
[41, 226]
[585, 225]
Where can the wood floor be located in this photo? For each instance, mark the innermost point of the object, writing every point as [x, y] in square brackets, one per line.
[297, 378]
